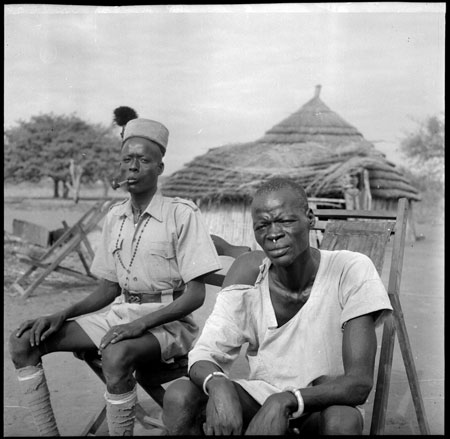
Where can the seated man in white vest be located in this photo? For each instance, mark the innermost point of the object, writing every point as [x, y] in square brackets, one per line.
[309, 321]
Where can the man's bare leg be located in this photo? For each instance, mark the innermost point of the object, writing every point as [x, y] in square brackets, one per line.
[334, 420]
[185, 408]
[31, 375]
[119, 361]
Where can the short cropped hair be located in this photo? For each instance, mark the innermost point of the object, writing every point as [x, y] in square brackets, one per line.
[275, 184]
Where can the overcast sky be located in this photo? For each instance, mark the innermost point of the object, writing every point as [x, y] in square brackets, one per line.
[225, 74]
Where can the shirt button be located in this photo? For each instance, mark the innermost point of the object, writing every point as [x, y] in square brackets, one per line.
[135, 279]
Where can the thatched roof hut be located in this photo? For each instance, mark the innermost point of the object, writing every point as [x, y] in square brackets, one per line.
[314, 146]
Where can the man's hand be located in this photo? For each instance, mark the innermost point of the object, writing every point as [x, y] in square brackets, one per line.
[223, 410]
[42, 327]
[123, 332]
[273, 417]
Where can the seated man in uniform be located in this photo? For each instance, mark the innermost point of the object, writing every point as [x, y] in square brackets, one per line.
[309, 320]
[154, 254]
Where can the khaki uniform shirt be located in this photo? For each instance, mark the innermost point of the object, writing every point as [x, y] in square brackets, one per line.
[169, 246]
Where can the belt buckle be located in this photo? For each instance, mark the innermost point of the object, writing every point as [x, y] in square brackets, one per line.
[134, 298]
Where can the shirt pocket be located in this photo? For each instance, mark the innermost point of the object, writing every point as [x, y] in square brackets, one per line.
[160, 264]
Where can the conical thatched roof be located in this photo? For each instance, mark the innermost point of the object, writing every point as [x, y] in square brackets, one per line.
[314, 146]
[314, 122]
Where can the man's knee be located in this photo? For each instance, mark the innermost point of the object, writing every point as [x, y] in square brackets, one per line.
[182, 394]
[118, 366]
[117, 358]
[182, 402]
[19, 348]
[341, 420]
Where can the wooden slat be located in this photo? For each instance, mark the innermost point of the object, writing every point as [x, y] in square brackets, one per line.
[320, 225]
[52, 265]
[388, 338]
[367, 237]
[85, 264]
[383, 378]
[33, 233]
[146, 420]
[69, 241]
[60, 269]
[408, 360]
[95, 423]
[343, 213]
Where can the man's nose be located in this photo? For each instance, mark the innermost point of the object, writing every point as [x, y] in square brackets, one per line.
[275, 232]
[134, 164]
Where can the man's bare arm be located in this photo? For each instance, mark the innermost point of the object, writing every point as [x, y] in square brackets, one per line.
[358, 351]
[42, 327]
[105, 294]
[188, 302]
[352, 388]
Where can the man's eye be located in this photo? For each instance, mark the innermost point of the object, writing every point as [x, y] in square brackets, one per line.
[126, 160]
[143, 160]
[260, 227]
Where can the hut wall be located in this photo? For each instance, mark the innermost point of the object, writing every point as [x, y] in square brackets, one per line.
[233, 222]
[390, 205]
[230, 221]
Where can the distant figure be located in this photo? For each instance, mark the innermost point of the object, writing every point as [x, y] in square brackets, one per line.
[308, 317]
[351, 191]
[356, 190]
[152, 259]
[366, 202]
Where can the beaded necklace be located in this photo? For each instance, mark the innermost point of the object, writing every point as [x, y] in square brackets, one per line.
[128, 270]
[136, 212]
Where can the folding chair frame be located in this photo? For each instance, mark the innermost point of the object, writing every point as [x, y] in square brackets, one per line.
[68, 242]
[395, 324]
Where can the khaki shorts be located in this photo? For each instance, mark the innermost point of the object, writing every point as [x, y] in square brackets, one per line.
[175, 338]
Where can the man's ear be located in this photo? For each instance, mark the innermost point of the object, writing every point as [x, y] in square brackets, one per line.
[160, 168]
[311, 218]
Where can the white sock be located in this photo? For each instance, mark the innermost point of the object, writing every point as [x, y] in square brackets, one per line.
[34, 387]
[121, 412]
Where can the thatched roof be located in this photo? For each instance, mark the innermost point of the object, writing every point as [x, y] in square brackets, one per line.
[317, 123]
[314, 146]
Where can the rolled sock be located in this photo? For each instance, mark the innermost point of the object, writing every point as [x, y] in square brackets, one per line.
[34, 387]
[120, 412]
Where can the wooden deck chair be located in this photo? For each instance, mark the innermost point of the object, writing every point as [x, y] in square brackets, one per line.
[73, 239]
[32, 233]
[367, 232]
[152, 379]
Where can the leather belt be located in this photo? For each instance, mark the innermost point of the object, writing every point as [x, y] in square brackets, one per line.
[164, 296]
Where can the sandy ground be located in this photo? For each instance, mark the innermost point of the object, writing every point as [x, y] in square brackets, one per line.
[77, 393]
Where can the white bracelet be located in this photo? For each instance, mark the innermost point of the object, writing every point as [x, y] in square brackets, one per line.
[212, 375]
[300, 402]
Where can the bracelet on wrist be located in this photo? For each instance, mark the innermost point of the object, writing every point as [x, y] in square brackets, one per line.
[300, 402]
[212, 375]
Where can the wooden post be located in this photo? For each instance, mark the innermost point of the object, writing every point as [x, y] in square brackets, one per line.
[388, 338]
[410, 367]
